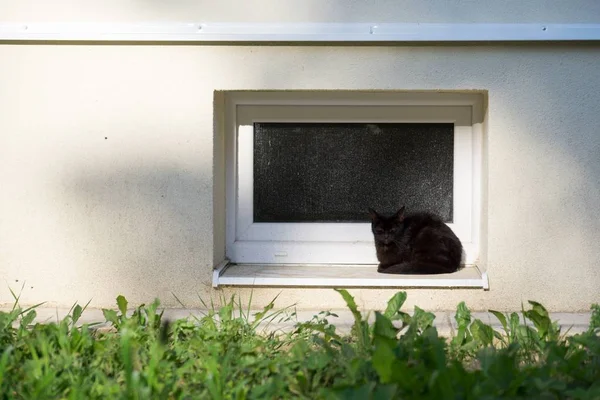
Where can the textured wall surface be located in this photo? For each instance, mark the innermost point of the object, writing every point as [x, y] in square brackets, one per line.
[506, 11]
[107, 162]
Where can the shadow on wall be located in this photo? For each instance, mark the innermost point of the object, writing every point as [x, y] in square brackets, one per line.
[142, 231]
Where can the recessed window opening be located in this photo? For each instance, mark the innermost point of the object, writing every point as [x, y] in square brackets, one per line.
[303, 168]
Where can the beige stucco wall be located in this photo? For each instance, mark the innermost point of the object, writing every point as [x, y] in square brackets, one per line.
[506, 11]
[107, 152]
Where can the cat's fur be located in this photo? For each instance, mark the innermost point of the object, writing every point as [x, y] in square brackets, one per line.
[417, 243]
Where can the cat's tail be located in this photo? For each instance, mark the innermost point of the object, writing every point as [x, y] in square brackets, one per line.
[415, 269]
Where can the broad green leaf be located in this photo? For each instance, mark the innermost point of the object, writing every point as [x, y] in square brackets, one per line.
[461, 337]
[383, 358]
[514, 325]
[541, 323]
[463, 315]
[226, 311]
[482, 333]
[110, 316]
[502, 318]
[122, 303]
[384, 327]
[394, 305]
[540, 309]
[463, 319]
[541, 319]
[527, 336]
[421, 319]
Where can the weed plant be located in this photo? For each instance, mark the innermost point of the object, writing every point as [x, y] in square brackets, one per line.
[229, 354]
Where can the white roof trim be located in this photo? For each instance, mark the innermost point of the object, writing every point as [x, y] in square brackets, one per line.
[297, 32]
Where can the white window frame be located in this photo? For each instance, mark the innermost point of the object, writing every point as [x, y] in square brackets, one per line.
[248, 242]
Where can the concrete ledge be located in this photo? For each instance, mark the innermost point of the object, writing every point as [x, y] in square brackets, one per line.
[444, 320]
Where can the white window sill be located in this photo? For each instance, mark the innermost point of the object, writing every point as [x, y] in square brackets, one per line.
[227, 274]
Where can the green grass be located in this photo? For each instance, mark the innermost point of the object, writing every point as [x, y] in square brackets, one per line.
[227, 354]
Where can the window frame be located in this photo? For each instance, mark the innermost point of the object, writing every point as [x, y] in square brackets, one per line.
[310, 243]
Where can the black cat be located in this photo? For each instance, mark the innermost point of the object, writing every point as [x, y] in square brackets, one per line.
[419, 243]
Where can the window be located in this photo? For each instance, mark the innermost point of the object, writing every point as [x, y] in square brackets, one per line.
[303, 168]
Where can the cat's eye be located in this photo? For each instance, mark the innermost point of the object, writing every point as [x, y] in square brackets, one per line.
[378, 231]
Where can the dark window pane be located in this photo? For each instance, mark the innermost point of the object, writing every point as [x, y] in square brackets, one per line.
[317, 172]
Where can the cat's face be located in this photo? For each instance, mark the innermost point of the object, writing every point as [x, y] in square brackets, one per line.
[386, 229]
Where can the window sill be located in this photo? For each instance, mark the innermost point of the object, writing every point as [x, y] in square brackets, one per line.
[227, 274]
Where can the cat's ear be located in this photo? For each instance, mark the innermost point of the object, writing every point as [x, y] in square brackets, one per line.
[373, 214]
[400, 214]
